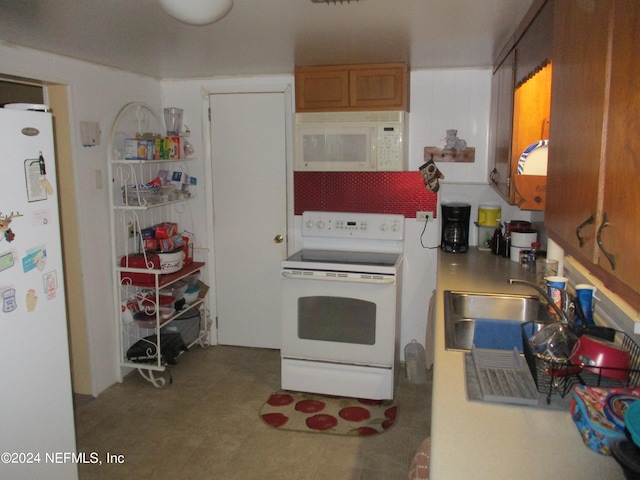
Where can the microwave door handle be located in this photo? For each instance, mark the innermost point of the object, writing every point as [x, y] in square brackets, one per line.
[378, 281]
[373, 162]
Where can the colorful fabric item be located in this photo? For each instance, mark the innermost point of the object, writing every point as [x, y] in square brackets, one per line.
[599, 414]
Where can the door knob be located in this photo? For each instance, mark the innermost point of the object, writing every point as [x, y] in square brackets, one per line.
[278, 239]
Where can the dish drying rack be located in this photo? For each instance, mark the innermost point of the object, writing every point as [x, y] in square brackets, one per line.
[553, 376]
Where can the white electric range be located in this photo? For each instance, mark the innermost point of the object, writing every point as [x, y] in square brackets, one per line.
[340, 305]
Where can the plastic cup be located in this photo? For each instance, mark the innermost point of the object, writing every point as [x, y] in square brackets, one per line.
[554, 283]
[586, 297]
[546, 267]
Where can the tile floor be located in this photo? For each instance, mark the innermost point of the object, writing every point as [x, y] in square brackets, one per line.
[205, 425]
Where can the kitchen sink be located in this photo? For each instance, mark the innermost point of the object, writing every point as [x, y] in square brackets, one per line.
[488, 320]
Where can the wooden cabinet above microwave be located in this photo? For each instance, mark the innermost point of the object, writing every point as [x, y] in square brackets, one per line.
[338, 88]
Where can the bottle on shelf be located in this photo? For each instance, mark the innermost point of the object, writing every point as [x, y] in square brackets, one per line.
[506, 240]
[497, 242]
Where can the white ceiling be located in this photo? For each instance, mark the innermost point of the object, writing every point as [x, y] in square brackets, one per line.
[265, 36]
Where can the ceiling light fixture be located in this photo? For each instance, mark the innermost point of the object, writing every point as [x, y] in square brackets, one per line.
[197, 12]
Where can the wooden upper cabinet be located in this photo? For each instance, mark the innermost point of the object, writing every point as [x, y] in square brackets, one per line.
[593, 200]
[352, 87]
[378, 87]
[621, 199]
[502, 127]
[520, 104]
[577, 113]
[534, 49]
[322, 89]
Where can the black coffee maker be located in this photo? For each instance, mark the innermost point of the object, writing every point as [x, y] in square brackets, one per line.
[455, 227]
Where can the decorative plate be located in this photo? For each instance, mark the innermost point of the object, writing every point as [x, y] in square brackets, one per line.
[533, 160]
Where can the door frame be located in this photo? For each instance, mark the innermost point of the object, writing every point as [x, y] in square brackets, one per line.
[287, 90]
[57, 96]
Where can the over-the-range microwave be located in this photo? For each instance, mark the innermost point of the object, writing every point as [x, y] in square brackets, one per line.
[350, 141]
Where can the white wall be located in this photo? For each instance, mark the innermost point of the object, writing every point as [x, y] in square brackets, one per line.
[96, 94]
[440, 100]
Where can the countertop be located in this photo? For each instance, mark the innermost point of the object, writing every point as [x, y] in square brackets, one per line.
[471, 439]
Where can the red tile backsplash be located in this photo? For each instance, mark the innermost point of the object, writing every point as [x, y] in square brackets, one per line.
[364, 192]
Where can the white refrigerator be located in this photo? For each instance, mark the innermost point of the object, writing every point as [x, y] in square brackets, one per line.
[37, 434]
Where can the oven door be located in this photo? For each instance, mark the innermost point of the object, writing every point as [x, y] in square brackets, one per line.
[339, 317]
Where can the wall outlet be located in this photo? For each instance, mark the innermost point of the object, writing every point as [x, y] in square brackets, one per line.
[424, 216]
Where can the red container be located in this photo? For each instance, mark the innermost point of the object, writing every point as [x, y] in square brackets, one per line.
[518, 225]
[137, 260]
[602, 357]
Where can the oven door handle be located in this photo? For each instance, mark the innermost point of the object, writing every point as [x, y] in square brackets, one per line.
[378, 281]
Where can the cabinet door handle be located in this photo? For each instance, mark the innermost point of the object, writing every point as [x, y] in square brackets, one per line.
[610, 257]
[493, 176]
[588, 221]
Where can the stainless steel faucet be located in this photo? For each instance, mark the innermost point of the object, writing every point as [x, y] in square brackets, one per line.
[562, 314]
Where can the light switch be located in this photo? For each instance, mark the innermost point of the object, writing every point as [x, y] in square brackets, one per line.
[90, 134]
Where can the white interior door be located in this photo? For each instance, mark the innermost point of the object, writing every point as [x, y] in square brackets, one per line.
[248, 144]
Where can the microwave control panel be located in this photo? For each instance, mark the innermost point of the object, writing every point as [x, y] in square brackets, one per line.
[390, 150]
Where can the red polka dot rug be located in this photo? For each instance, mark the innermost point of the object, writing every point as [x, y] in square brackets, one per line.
[307, 412]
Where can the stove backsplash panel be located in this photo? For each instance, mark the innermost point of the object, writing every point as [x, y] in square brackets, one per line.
[365, 192]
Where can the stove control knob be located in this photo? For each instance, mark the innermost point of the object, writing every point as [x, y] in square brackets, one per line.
[395, 226]
[384, 227]
[309, 224]
[320, 224]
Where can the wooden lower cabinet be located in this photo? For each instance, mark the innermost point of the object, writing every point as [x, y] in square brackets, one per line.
[592, 186]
